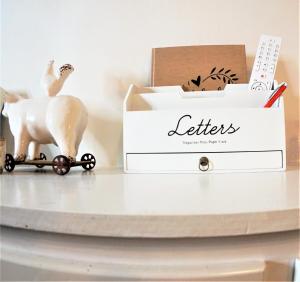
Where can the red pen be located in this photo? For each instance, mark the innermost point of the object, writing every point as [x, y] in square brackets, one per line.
[275, 95]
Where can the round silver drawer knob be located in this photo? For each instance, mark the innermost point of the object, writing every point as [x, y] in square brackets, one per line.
[204, 164]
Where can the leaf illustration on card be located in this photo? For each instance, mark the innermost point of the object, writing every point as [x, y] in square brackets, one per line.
[213, 70]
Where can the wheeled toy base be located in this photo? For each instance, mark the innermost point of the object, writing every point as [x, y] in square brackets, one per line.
[60, 164]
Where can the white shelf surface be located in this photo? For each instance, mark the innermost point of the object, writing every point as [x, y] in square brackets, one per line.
[112, 203]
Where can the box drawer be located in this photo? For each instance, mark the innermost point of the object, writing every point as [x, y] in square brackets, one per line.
[205, 161]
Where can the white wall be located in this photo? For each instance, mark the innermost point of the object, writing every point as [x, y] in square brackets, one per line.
[109, 42]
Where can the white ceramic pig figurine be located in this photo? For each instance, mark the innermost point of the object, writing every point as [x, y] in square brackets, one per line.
[59, 120]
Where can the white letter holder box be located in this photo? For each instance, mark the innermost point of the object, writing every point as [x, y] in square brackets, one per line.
[166, 130]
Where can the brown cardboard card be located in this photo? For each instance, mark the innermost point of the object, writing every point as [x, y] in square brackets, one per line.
[206, 67]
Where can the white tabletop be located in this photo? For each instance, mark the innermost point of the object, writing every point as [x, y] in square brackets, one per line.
[111, 203]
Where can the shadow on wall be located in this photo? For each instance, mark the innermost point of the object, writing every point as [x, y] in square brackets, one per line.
[106, 128]
[291, 105]
[108, 136]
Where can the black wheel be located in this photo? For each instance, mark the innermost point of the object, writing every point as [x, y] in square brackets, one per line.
[9, 163]
[91, 161]
[42, 157]
[61, 165]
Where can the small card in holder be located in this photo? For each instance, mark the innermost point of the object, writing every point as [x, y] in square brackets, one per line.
[199, 68]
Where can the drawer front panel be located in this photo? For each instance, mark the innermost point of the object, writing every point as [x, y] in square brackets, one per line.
[217, 161]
